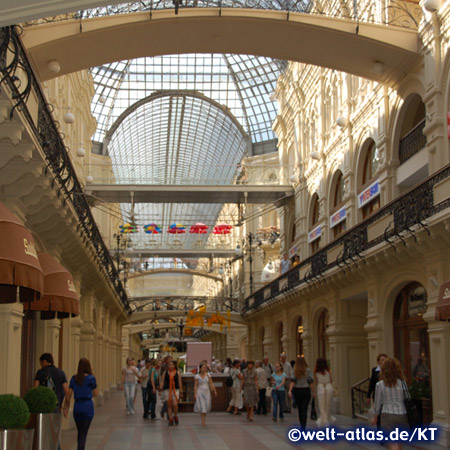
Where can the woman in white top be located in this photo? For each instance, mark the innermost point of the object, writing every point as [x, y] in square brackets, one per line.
[203, 386]
[129, 375]
[389, 399]
[324, 389]
[236, 397]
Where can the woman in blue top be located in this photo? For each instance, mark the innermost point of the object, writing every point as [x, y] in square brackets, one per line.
[84, 386]
[278, 391]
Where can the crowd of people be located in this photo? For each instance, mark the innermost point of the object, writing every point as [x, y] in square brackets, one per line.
[256, 387]
[259, 387]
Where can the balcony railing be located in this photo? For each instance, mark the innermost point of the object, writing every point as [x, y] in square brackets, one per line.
[409, 213]
[412, 143]
[360, 393]
[17, 74]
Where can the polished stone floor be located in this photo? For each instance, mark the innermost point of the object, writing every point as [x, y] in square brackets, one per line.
[112, 429]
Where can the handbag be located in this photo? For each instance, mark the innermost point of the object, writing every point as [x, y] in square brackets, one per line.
[313, 410]
[268, 391]
[411, 409]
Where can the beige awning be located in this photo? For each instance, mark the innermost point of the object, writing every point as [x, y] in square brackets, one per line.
[19, 263]
[60, 297]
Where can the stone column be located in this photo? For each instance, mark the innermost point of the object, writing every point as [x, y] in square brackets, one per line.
[71, 354]
[252, 343]
[47, 339]
[439, 338]
[286, 339]
[11, 315]
[348, 348]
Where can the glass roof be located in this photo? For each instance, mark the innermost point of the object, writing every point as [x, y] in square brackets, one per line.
[148, 5]
[241, 83]
[175, 138]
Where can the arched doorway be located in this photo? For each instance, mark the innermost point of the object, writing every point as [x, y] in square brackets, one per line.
[411, 343]
[322, 338]
[298, 337]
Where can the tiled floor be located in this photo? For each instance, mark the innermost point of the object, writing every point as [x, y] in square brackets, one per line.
[112, 429]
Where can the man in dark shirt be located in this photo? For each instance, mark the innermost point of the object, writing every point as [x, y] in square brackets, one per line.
[374, 377]
[53, 378]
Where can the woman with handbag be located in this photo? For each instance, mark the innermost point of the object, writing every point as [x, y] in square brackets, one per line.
[301, 386]
[203, 387]
[236, 397]
[390, 395]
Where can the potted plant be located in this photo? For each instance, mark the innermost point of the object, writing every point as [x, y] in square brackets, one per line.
[14, 416]
[42, 403]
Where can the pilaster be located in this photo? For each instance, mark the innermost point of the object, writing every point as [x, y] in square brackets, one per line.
[11, 315]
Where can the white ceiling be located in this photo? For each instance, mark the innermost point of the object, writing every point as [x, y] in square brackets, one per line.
[17, 11]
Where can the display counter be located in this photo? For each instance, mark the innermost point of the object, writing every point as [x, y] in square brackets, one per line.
[219, 403]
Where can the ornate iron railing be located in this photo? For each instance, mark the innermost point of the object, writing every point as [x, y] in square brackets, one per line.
[412, 143]
[359, 394]
[17, 74]
[409, 211]
[386, 12]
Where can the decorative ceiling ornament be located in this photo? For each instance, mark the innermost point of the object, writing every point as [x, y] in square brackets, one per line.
[152, 228]
[128, 228]
[176, 228]
[199, 228]
[222, 229]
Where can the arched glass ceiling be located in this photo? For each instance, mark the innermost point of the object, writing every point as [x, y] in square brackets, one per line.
[164, 140]
[241, 83]
[124, 8]
[175, 138]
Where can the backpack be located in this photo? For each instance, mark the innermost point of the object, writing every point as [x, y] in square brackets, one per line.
[49, 382]
[230, 380]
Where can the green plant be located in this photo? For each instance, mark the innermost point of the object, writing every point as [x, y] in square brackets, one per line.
[13, 412]
[41, 399]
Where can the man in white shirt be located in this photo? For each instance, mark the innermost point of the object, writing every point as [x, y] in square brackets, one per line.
[262, 383]
[285, 264]
[269, 370]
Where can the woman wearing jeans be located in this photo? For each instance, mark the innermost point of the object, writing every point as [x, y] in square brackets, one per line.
[84, 386]
[129, 375]
[278, 391]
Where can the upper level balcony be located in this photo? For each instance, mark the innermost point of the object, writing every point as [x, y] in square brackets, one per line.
[397, 221]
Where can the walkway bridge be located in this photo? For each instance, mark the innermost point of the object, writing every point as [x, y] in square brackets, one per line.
[366, 38]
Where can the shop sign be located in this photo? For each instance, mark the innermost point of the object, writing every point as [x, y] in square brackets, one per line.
[369, 194]
[338, 217]
[315, 234]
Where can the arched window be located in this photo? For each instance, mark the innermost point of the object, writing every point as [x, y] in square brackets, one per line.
[322, 340]
[338, 200]
[412, 139]
[298, 337]
[370, 166]
[314, 222]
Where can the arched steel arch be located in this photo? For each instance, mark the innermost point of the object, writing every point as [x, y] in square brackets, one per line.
[338, 43]
[171, 93]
